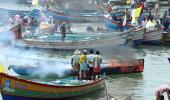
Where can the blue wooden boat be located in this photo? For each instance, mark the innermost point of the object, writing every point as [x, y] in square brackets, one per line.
[60, 12]
[14, 88]
[134, 66]
[83, 17]
[24, 70]
[68, 17]
[112, 22]
[65, 17]
[113, 25]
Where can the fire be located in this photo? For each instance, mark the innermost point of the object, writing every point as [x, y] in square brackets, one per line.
[116, 63]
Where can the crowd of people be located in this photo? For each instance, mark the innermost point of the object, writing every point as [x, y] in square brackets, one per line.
[31, 26]
[86, 66]
[154, 19]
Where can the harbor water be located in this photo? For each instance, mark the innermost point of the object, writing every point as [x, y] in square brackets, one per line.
[141, 86]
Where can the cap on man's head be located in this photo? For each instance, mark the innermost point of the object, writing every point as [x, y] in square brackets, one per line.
[85, 51]
[76, 52]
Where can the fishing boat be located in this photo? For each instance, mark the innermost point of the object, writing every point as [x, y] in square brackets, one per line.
[140, 37]
[74, 17]
[66, 45]
[113, 25]
[134, 66]
[153, 37]
[136, 36]
[82, 15]
[14, 88]
[72, 41]
[112, 20]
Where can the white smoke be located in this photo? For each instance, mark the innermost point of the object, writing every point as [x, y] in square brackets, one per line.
[46, 68]
[6, 36]
[120, 53]
[18, 56]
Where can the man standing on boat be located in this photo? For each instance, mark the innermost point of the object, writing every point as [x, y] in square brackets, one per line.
[75, 63]
[63, 32]
[97, 65]
[83, 65]
[90, 61]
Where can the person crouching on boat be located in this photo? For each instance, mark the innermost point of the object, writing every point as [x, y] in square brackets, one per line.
[161, 90]
[83, 65]
[90, 61]
[97, 65]
[75, 63]
[63, 32]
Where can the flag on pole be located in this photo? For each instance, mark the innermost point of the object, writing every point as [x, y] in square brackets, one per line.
[138, 11]
[2, 68]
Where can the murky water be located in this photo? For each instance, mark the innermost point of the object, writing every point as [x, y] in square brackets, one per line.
[140, 85]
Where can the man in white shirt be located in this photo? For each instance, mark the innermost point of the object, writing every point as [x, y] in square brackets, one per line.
[75, 63]
[90, 62]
